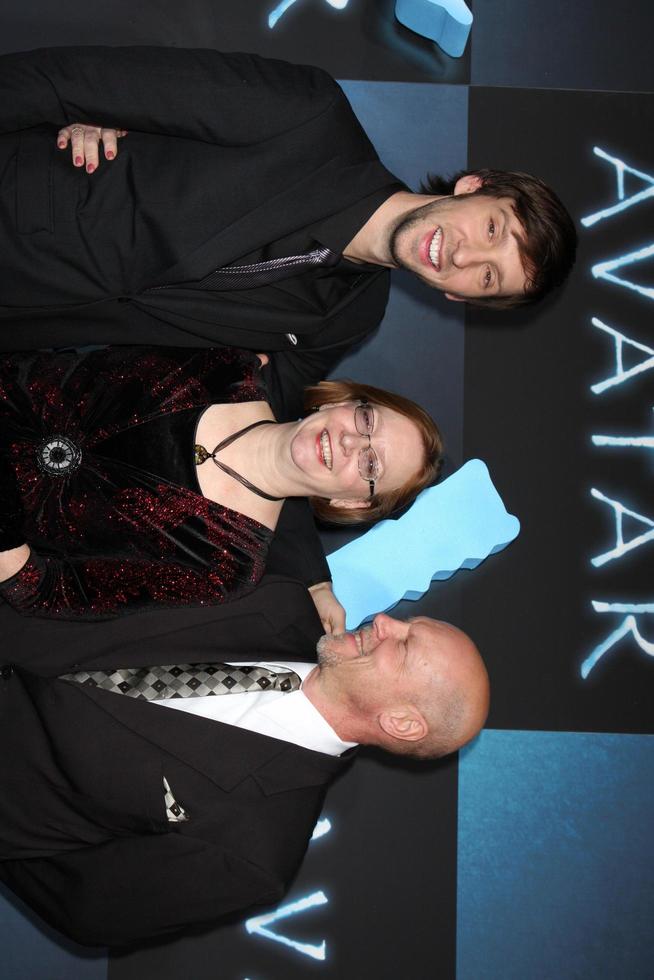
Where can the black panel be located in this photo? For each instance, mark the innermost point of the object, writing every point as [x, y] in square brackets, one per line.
[530, 413]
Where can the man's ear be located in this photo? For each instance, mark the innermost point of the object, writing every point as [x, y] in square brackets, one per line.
[348, 504]
[468, 184]
[405, 723]
[455, 299]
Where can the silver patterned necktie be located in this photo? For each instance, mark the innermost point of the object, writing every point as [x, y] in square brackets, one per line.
[187, 680]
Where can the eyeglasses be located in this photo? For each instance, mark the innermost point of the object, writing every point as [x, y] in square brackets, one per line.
[364, 421]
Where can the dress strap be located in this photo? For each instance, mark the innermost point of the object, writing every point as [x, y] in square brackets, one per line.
[201, 455]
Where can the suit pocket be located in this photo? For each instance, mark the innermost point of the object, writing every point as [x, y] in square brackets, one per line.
[34, 206]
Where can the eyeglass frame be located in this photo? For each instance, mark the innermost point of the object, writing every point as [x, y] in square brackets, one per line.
[368, 453]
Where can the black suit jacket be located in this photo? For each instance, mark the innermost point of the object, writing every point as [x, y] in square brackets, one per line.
[226, 154]
[84, 836]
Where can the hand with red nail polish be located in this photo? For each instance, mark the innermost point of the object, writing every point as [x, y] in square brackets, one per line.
[84, 142]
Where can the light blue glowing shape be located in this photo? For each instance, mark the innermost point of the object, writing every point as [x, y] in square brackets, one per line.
[278, 12]
[447, 22]
[259, 924]
[453, 525]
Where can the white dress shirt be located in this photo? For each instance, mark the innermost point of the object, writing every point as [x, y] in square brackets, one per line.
[289, 717]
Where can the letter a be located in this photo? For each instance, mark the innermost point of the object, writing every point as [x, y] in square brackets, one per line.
[621, 546]
[622, 205]
[620, 374]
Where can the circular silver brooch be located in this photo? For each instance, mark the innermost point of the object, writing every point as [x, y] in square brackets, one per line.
[59, 456]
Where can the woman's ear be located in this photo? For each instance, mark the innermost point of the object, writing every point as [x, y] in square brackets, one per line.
[345, 503]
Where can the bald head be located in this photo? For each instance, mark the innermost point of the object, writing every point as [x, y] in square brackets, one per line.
[415, 688]
[455, 699]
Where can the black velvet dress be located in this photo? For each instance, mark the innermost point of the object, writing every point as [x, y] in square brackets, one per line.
[99, 479]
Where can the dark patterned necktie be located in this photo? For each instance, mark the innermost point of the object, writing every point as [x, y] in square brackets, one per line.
[263, 273]
[186, 680]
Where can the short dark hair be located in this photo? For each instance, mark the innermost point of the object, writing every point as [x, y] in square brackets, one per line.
[382, 504]
[550, 244]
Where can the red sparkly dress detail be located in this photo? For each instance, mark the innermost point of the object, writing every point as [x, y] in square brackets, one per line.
[96, 481]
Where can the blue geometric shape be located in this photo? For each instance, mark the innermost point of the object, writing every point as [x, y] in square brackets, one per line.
[555, 875]
[447, 22]
[450, 526]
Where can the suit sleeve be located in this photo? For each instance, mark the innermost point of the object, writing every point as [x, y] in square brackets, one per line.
[138, 888]
[230, 99]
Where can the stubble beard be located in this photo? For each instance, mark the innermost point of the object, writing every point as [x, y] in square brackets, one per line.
[328, 657]
[407, 223]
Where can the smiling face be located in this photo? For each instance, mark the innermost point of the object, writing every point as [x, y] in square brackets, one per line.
[326, 447]
[465, 245]
[395, 682]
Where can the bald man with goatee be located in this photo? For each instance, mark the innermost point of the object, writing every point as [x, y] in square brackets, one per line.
[130, 809]
[417, 687]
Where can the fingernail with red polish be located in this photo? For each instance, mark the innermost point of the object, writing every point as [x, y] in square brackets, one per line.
[110, 154]
[90, 167]
[61, 144]
[78, 161]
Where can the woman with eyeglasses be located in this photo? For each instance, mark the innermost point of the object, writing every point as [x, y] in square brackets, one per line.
[136, 477]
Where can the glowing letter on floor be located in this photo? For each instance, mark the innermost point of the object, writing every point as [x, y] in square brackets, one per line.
[620, 374]
[604, 270]
[635, 442]
[622, 546]
[282, 7]
[623, 204]
[627, 627]
[260, 923]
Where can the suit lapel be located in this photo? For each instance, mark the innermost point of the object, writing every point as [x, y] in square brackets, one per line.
[224, 753]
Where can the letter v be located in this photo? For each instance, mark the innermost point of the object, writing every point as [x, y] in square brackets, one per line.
[259, 923]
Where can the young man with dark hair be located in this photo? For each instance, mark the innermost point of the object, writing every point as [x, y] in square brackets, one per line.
[246, 206]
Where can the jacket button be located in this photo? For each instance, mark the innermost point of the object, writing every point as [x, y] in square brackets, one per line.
[6, 671]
